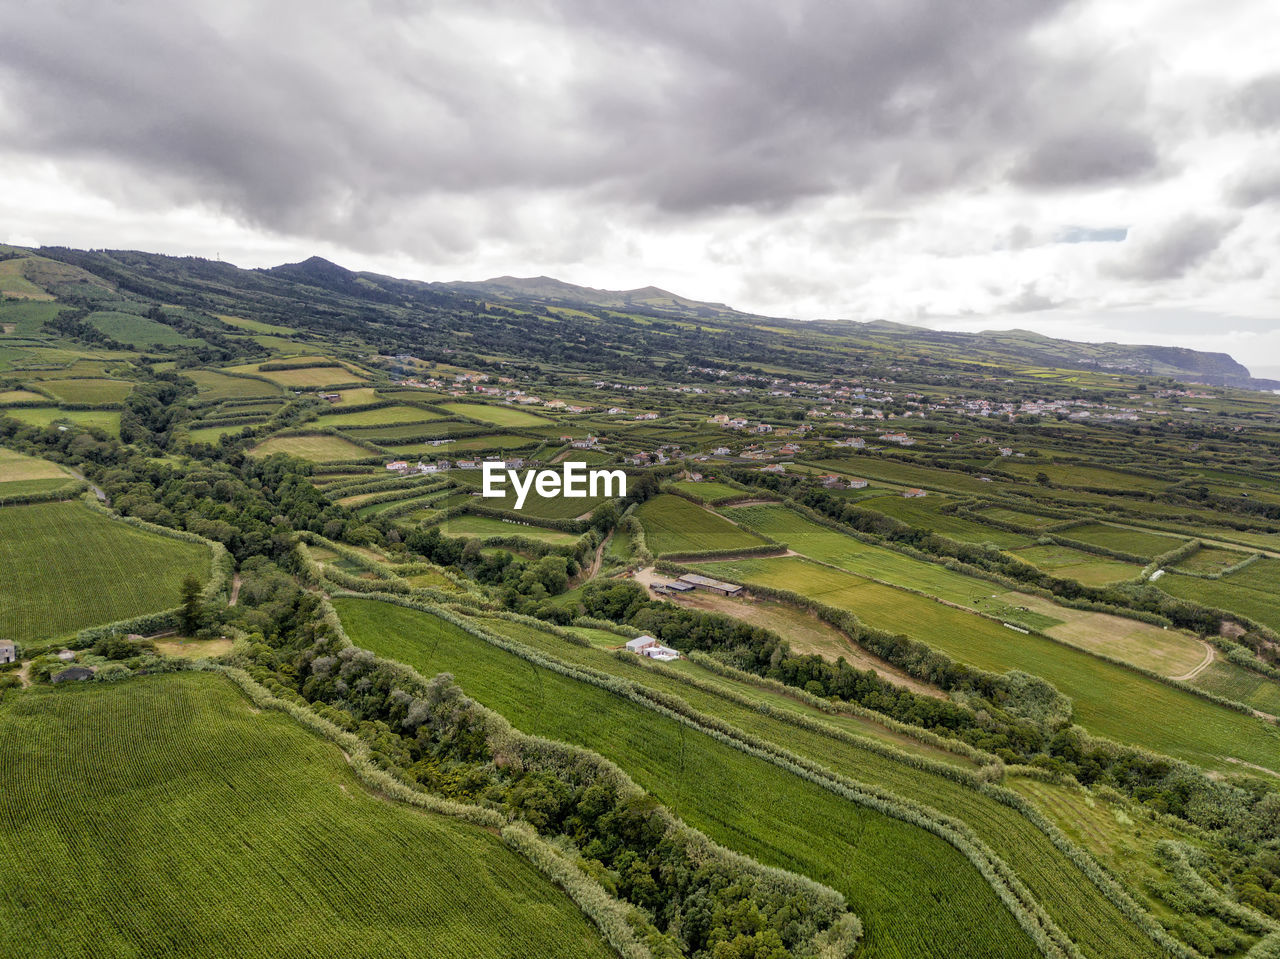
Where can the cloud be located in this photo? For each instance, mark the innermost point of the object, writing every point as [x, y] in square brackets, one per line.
[1171, 250]
[1257, 185]
[1088, 158]
[1257, 103]
[1030, 300]
[1085, 234]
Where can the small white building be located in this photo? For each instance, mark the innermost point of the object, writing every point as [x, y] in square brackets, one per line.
[641, 643]
[8, 651]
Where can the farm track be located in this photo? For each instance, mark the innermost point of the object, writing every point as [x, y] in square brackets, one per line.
[1204, 664]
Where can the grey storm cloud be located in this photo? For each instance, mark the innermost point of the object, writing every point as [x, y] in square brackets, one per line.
[1173, 250]
[1255, 186]
[377, 122]
[1258, 102]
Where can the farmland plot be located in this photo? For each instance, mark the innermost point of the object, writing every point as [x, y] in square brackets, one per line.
[674, 525]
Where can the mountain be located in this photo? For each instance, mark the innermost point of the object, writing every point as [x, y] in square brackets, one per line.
[549, 291]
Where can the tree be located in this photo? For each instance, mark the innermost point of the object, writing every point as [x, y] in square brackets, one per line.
[192, 615]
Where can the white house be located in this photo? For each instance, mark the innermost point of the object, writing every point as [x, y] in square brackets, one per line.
[641, 643]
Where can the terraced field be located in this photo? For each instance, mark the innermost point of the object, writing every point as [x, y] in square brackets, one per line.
[927, 514]
[89, 391]
[1148, 545]
[508, 416]
[674, 525]
[1088, 569]
[1105, 695]
[318, 448]
[213, 385]
[916, 896]
[179, 821]
[64, 567]
[106, 420]
[486, 526]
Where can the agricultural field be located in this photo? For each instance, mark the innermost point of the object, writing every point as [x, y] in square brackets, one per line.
[507, 416]
[538, 507]
[91, 392]
[21, 474]
[1005, 515]
[301, 376]
[501, 442]
[256, 326]
[106, 420]
[1138, 542]
[138, 331]
[64, 567]
[1225, 594]
[1210, 560]
[213, 385]
[927, 514]
[382, 416]
[13, 283]
[1073, 474]
[21, 396]
[1088, 569]
[674, 525]
[1105, 695]
[484, 527]
[211, 434]
[915, 895]
[872, 467]
[318, 448]
[228, 831]
[708, 491]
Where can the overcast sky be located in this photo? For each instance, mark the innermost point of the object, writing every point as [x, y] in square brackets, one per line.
[1095, 169]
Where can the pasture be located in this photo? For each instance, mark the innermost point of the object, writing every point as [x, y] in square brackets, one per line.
[211, 434]
[138, 331]
[17, 467]
[64, 567]
[106, 420]
[1139, 542]
[1211, 559]
[674, 525]
[179, 820]
[915, 895]
[213, 385]
[506, 416]
[91, 392]
[1225, 594]
[317, 447]
[301, 376]
[499, 442]
[927, 514]
[21, 396]
[1088, 569]
[381, 416]
[708, 491]
[1110, 700]
[1004, 514]
[484, 527]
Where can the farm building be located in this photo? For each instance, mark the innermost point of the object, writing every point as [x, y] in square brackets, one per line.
[715, 585]
[72, 674]
[914, 493]
[8, 651]
[672, 587]
[641, 643]
[858, 484]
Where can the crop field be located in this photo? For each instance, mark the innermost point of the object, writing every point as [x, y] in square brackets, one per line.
[90, 391]
[915, 895]
[1242, 685]
[318, 448]
[138, 331]
[709, 491]
[1086, 568]
[179, 815]
[213, 385]
[64, 567]
[1105, 695]
[1072, 474]
[256, 326]
[106, 420]
[485, 526]
[303, 376]
[541, 507]
[21, 396]
[27, 316]
[501, 442]
[1211, 559]
[13, 283]
[1006, 515]
[18, 472]
[872, 467]
[508, 416]
[1225, 594]
[1165, 651]
[1262, 575]
[1148, 545]
[382, 416]
[211, 434]
[674, 525]
[926, 514]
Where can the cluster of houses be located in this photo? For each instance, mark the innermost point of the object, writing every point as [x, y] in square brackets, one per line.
[404, 467]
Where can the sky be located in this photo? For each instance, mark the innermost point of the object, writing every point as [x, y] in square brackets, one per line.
[1091, 169]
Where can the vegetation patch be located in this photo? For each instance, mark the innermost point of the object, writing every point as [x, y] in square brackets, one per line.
[316, 447]
[674, 525]
[1085, 568]
[508, 416]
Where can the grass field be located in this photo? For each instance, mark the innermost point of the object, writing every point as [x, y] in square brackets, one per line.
[64, 567]
[470, 444]
[211, 434]
[13, 283]
[1242, 685]
[138, 331]
[302, 376]
[508, 416]
[383, 416]
[1147, 545]
[21, 396]
[1225, 594]
[1211, 559]
[89, 391]
[213, 385]
[106, 420]
[1110, 700]
[916, 897]
[256, 326]
[1068, 563]
[486, 526]
[179, 821]
[1006, 515]
[708, 491]
[542, 507]
[318, 448]
[674, 525]
[926, 514]
[18, 471]
[1072, 474]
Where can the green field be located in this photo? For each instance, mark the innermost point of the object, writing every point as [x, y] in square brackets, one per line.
[382, 416]
[487, 526]
[1106, 696]
[915, 895]
[470, 444]
[1242, 685]
[318, 448]
[64, 567]
[1088, 569]
[106, 420]
[1073, 474]
[708, 491]
[674, 525]
[21, 396]
[926, 514]
[541, 507]
[508, 416]
[179, 821]
[89, 391]
[138, 331]
[303, 376]
[213, 385]
[1225, 594]
[211, 434]
[1019, 518]
[1211, 559]
[18, 469]
[1144, 544]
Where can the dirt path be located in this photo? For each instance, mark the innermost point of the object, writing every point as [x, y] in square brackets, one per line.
[24, 674]
[1204, 664]
[596, 563]
[102, 497]
[235, 590]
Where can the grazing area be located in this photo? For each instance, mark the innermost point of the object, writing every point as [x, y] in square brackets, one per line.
[213, 385]
[106, 420]
[179, 820]
[64, 567]
[1104, 695]
[508, 416]
[928, 514]
[674, 525]
[89, 392]
[20, 475]
[924, 900]
[1070, 563]
[138, 331]
[708, 491]
[318, 448]
[1226, 594]
[381, 416]
[487, 526]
